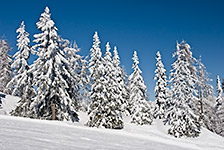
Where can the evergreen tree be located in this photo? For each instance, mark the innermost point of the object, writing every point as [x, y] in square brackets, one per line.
[220, 93]
[120, 78]
[5, 65]
[180, 115]
[98, 89]
[140, 112]
[51, 73]
[219, 109]
[206, 97]
[20, 64]
[204, 80]
[114, 100]
[104, 108]
[161, 89]
[220, 120]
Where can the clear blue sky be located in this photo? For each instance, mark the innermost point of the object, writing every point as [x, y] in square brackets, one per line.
[142, 25]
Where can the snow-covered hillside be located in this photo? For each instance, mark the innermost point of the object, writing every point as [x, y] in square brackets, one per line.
[25, 134]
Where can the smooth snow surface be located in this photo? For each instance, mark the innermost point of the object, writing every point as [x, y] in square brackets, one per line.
[26, 134]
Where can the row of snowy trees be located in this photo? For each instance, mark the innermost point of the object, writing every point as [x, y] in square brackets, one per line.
[61, 82]
[110, 95]
[189, 103]
[49, 87]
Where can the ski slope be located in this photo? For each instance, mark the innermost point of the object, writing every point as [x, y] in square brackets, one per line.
[30, 134]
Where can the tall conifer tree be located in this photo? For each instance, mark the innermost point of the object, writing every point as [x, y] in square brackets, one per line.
[140, 110]
[120, 77]
[104, 109]
[51, 71]
[205, 107]
[181, 116]
[219, 109]
[20, 64]
[5, 65]
[161, 89]
[114, 100]
[98, 88]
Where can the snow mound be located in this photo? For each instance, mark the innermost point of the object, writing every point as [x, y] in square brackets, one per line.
[8, 104]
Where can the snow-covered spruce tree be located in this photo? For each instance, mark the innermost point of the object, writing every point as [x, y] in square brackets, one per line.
[220, 120]
[20, 65]
[220, 93]
[180, 115]
[5, 65]
[161, 89]
[140, 112]
[204, 80]
[51, 71]
[120, 78]
[23, 77]
[98, 89]
[219, 109]
[206, 97]
[104, 108]
[114, 99]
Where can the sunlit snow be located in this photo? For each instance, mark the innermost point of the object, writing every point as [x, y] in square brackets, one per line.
[26, 134]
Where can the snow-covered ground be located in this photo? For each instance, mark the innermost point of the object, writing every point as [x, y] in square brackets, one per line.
[29, 134]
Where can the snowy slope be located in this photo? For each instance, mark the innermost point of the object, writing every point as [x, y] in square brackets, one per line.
[26, 134]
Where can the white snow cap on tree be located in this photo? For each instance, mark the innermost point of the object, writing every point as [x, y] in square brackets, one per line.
[108, 63]
[108, 53]
[96, 54]
[161, 90]
[23, 41]
[116, 58]
[140, 110]
[180, 114]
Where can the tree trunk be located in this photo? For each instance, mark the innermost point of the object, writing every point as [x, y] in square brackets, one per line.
[53, 110]
[201, 106]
